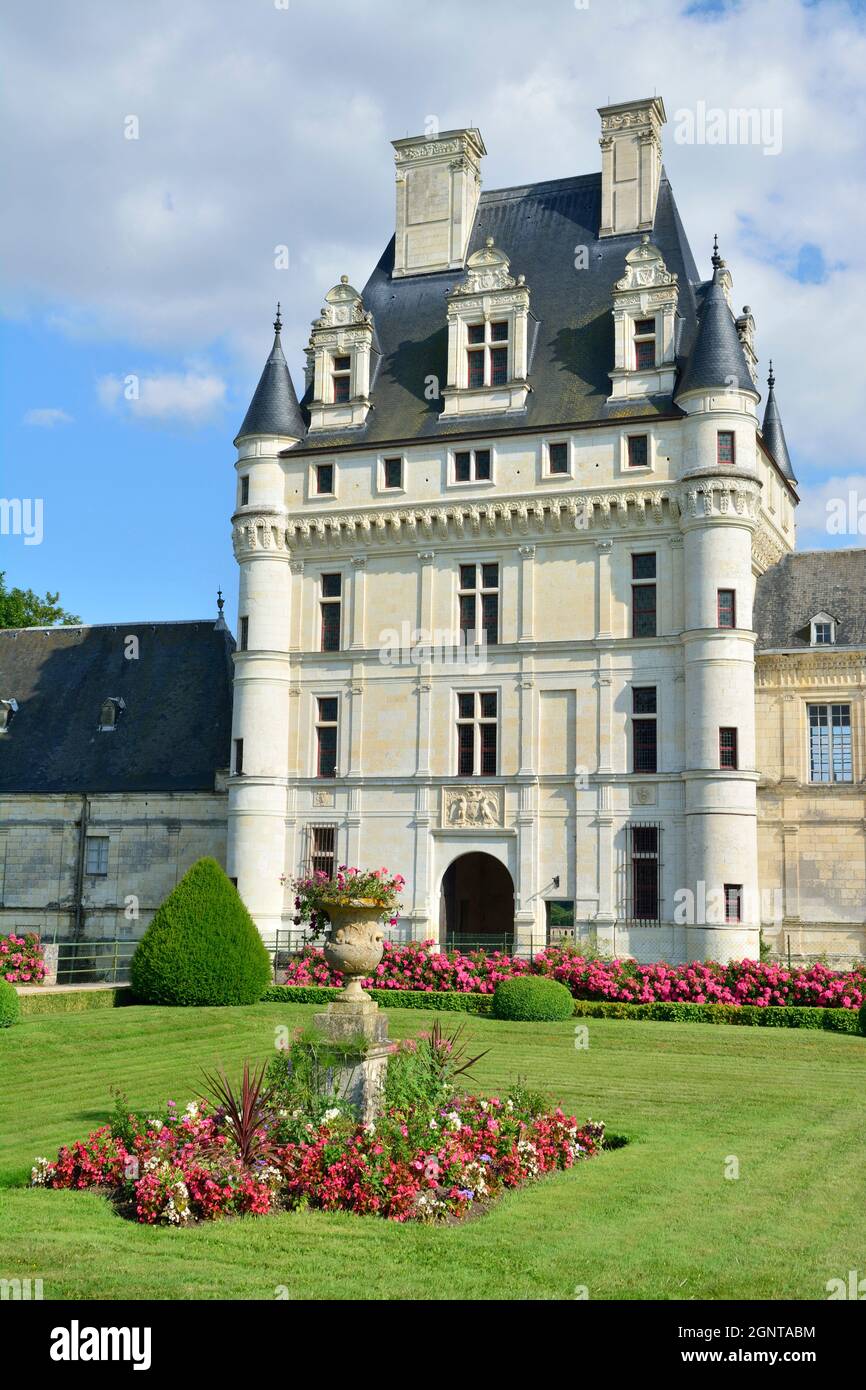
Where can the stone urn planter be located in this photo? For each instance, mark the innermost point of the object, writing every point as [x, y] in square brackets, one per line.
[355, 943]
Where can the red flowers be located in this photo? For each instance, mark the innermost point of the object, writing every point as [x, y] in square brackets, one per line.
[419, 965]
[427, 1167]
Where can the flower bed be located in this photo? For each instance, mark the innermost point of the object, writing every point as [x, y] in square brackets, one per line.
[182, 1168]
[21, 960]
[419, 966]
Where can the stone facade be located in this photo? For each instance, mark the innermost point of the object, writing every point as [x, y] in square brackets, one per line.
[812, 835]
[146, 843]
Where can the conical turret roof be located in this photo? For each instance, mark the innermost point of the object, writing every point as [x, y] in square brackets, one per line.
[717, 359]
[772, 433]
[274, 407]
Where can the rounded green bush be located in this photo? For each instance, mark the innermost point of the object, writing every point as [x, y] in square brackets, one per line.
[532, 998]
[202, 946]
[9, 1006]
[862, 1019]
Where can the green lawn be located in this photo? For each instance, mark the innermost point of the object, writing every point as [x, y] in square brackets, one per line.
[656, 1219]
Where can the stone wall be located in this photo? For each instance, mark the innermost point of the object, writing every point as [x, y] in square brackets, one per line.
[152, 841]
[812, 836]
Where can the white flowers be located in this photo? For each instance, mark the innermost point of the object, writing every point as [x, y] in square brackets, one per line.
[192, 1110]
[454, 1121]
[333, 1113]
[433, 1124]
[40, 1172]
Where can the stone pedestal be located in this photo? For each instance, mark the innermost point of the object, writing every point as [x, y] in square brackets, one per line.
[360, 1078]
[50, 957]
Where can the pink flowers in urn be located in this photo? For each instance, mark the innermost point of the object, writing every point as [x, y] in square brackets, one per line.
[315, 891]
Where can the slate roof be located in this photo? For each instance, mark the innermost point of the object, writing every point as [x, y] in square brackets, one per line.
[173, 735]
[772, 433]
[717, 354]
[788, 595]
[274, 407]
[539, 228]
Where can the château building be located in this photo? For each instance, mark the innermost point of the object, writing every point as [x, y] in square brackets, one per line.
[497, 568]
[520, 614]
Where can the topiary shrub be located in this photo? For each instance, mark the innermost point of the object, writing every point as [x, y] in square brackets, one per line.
[532, 998]
[202, 946]
[9, 1006]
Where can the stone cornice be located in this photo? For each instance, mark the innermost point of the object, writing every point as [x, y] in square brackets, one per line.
[625, 506]
[809, 667]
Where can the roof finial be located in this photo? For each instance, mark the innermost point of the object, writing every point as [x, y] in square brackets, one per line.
[771, 380]
[278, 322]
[220, 602]
[717, 260]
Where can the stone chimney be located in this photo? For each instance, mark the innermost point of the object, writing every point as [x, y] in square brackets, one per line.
[438, 187]
[631, 165]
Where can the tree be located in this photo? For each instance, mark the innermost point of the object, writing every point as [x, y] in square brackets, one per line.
[202, 946]
[24, 608]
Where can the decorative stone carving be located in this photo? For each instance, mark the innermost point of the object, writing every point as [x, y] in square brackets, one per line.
[472, 808]
[487, 269]
[581, 511]
[645, 269]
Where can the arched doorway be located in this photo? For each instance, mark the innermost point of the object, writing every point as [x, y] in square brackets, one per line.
[478, 903]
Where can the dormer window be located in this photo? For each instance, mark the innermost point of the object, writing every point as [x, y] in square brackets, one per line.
[487, 338]
[8, 710]
[644, 343]
[645, 320]
[340, 356]
[823, 629]
[341, 379]
[487, 354]
[110, 713]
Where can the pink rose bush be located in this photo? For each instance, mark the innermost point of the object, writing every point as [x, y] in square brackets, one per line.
[424, 1166]
[420, 965]
[21, 960]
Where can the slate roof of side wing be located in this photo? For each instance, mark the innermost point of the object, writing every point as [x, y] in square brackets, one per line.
[173, 735]
[540, 228]
[789, 594]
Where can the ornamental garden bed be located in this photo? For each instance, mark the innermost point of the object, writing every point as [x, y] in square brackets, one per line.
[420, 966]
[284, 1140]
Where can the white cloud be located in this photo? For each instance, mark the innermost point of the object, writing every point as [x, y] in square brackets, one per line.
[191, 397]
[47, 417]
[833, 513]
[250, 138]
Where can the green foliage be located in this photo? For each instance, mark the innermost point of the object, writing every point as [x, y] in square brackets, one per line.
[529, 1098]
[304, 1080]
[9, 1006]
[741, 1015]
[124, 1124]
[532, 999]
[423, 1072]
[24, 608]
[861, 1018]
[445, 1000]
[202, 946]
[73, 1001]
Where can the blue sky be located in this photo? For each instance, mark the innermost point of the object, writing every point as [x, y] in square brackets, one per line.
[267, 125]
